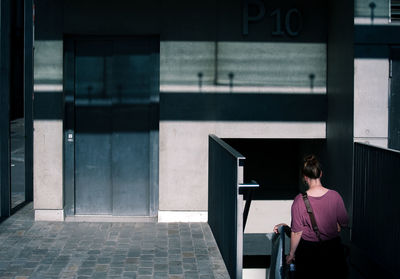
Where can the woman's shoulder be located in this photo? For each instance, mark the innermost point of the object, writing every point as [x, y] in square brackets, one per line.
[298, 198]
[298, 202]
[334, 194]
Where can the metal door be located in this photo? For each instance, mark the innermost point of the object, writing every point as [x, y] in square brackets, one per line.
[115, 120]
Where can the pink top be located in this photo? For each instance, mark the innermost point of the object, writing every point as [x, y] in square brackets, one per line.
[328, 210]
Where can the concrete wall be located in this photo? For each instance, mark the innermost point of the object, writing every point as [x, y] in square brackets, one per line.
[48, 131]
[184, 154]
[48, 170]
[195, 37]
[371, 94]
[371, 12]
[371, 75]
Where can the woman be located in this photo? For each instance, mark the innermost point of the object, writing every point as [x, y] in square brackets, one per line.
[317, 257]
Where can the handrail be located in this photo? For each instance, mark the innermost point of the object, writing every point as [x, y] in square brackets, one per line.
[278, 269]
[226, 190]
[227, 147]
[225, 216]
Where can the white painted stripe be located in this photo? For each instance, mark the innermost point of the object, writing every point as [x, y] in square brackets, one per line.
[254, 273]
[241, 89]
[48, 87]
[182, 216]
[49, 215]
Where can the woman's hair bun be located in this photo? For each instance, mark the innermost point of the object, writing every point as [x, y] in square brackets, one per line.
[311, 167]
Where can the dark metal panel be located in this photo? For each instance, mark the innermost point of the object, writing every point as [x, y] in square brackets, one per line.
[115, 126]
[376, 211]
[28, 96]
[93, 184]
[130, 161]
[93, 129]
[224, 217]
[340, 95]
[5, 198]
[394, 101]
[131, 81]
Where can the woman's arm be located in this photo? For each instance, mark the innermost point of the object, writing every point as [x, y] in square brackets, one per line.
[294, 242]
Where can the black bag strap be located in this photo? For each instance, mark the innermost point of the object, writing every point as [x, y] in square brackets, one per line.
[312, 217]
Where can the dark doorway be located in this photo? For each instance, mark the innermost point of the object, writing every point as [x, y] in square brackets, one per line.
[275, 164]
[113, 125]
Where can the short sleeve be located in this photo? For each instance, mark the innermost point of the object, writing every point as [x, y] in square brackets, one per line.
[297, 220]
[341, 212]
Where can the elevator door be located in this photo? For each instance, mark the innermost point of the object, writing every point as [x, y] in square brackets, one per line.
[115, 81]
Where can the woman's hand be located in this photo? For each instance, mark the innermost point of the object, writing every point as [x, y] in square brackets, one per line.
[289, 258]
[276, 228]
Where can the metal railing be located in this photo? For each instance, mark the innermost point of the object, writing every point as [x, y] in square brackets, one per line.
[376, 214]
[225, 202]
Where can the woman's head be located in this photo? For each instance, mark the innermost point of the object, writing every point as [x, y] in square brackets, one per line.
[311, 167]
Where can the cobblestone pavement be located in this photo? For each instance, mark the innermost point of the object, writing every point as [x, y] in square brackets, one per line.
[43, 250]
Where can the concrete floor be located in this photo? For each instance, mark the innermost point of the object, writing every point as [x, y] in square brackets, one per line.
[106, 250]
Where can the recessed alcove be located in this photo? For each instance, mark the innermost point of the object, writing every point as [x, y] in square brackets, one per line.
[275, 164]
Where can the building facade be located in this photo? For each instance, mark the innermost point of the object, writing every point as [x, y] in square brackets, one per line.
[120, 98]
[125, 95]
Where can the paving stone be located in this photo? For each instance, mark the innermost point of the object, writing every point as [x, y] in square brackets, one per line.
[145, 271]
[129, 274]
[189, 266]
[160, 275]
[175, 267]
[146, 264]
[106, 250]
[104, 260]
[115, 271]
[131, 267]
[85, 271]
[100, 275]
[160, 267]
[189, 260]
[101, 268]
[191, 275]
